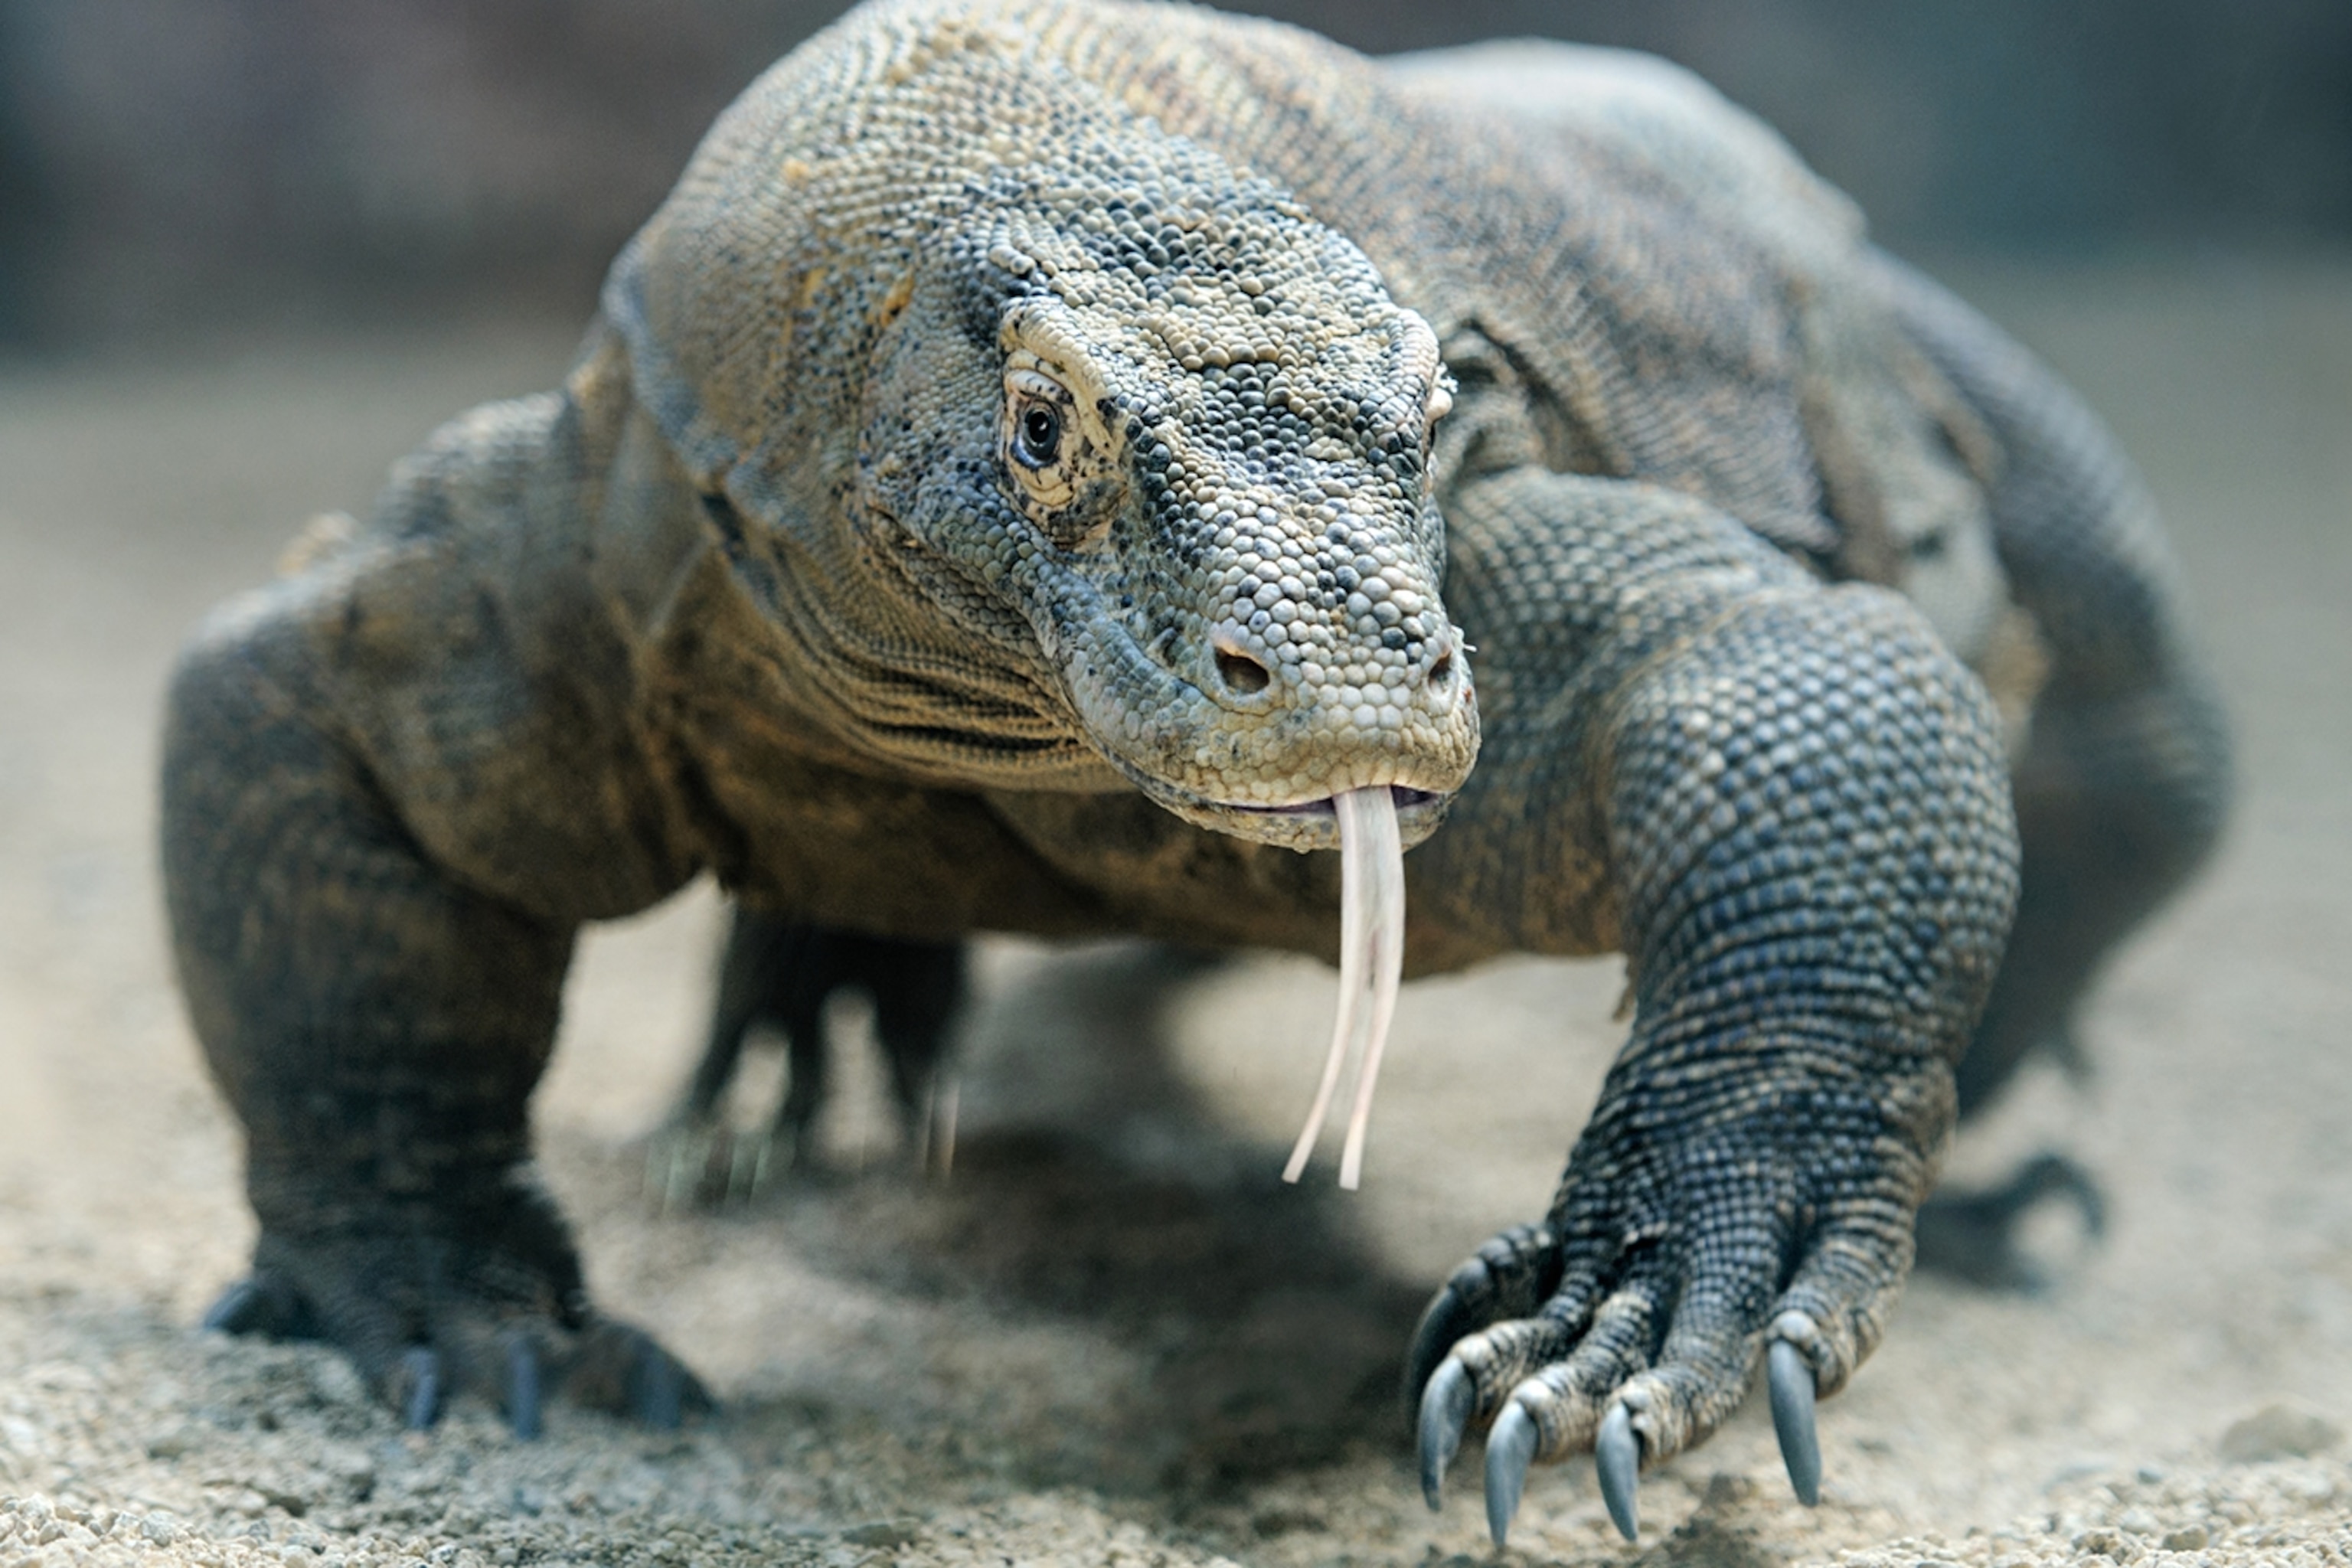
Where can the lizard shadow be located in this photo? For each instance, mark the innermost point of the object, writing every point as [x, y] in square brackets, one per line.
[1255, 1327]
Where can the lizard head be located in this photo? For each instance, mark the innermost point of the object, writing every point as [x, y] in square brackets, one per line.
[1174, 437]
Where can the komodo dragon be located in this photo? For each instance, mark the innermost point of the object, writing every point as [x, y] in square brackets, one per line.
[1048, 462]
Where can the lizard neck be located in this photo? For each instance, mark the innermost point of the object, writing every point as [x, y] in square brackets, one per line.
[813, 628]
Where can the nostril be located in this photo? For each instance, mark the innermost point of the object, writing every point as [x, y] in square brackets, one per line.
[1442, 670]
[1241, 673]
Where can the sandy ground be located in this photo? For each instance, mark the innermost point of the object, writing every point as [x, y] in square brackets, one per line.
[1113, 1336]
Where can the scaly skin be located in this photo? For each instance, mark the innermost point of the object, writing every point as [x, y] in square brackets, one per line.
[1013, 486]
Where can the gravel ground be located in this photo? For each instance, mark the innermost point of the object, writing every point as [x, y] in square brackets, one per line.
[1113, 1337]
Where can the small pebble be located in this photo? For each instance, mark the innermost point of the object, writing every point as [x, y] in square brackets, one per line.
[2278, 1432]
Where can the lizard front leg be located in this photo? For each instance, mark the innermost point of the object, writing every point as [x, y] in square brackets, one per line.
[373, 906]
[1795, 802]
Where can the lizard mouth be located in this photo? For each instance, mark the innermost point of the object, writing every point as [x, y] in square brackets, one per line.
[1306, 824]
[1404, 797]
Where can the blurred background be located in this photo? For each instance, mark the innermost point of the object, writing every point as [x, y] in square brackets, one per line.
[178, 168]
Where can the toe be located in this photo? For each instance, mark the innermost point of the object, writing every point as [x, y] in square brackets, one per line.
[1566, 1394]
[626, 1371]
[1508, 1278]
[1835, 1308]
[658, 1392]
[263, 1304]
[418, 1387]
[524, 1386]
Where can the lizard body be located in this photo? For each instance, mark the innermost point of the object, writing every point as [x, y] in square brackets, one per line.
[1037, 458]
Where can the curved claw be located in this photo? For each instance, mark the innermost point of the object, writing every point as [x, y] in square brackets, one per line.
[661, 1405]
[421, 1369]
[1790, 1382]
[242, 1308]
[625, 1369]
[1444, 1414]
[1445, 1322]
[1617, 1456]
[524, 1390]
[258, 1304]
[661, 1391]
[1511, 1449]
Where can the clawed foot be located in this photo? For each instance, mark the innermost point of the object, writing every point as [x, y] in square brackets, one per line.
[1556, 1350]
[1978, 1236]
[602, 1364]
[709, 1167]
[426, 1320]
[1514, 1439]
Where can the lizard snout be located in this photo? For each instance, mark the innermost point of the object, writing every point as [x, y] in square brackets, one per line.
[1365, 647]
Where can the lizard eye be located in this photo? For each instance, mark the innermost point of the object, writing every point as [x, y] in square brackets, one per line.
[1038, 409]
[1056, 453]
[1037, 438]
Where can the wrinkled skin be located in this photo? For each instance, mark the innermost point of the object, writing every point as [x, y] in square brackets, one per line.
[1035, 459]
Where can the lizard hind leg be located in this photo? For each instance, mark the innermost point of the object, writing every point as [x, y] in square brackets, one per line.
[692, 1160]
[781, 971]
[918, 989]
[921, 989]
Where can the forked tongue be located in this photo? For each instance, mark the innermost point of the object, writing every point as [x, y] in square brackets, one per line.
[1371, 962]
